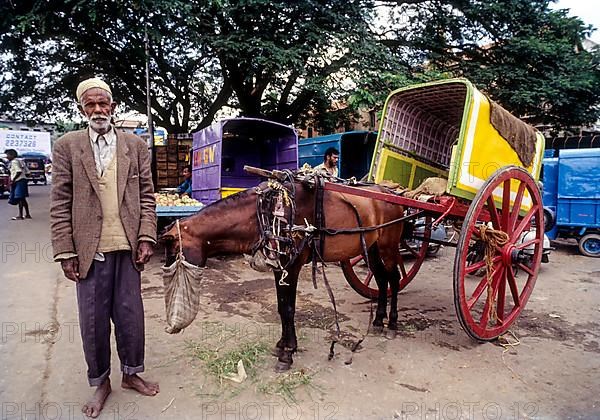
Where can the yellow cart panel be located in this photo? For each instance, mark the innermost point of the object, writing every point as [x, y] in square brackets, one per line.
[443, 129]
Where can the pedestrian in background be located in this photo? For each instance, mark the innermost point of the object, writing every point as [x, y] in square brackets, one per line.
[103, 225]
[19, 190]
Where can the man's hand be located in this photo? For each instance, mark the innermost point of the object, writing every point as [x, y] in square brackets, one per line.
[70, 267]
[144, 252]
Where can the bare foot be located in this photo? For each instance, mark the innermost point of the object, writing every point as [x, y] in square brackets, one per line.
[93, 407]
[140, 385]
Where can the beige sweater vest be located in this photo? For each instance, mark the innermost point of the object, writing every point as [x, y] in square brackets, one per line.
[112, 236]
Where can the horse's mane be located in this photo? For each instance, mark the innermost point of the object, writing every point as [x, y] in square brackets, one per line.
[228, 201]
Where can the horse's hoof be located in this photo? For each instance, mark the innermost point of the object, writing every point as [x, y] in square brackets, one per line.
[277, 351]
[377, 329]
[391, 334]
[281, 367]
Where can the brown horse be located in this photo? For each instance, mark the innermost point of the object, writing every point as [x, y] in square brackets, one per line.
[230, 226]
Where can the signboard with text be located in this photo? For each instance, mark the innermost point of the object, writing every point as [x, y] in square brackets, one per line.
[25, 141]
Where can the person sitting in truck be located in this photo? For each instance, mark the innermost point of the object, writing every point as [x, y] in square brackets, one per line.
[330, 162]
[186, 186]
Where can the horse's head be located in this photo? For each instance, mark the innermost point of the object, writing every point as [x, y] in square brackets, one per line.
[185, 239]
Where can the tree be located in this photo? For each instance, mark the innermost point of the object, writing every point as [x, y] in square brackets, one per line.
[49, 46]
[524, 55]
[290, 60]
[265, 58]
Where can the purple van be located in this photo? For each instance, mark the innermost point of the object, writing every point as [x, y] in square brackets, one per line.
[221, 150]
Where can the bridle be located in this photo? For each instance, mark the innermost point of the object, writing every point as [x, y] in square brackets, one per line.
[276, 212]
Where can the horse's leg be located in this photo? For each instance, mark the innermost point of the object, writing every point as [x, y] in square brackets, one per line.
[286, 305]
[378, 270]
[280, 305]
[394, 279]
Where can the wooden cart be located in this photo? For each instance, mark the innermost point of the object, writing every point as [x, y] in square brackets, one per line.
[492, 162]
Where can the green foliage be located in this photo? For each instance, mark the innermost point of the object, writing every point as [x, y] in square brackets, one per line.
[262, 57]
[524, 55]
[291, 61]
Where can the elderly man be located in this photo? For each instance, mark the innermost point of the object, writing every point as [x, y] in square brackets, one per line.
[103, 225]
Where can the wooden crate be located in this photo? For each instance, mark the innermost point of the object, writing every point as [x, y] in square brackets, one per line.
[161, 157]
[162, 182]
[161, 166]
[162, 174]
[172, 166]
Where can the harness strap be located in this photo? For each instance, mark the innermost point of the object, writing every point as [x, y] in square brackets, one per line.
[330, 231]
[179, 240]
[318, 240]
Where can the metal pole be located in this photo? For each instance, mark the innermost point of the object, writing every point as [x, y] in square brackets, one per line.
[149, 109]
[148, 97]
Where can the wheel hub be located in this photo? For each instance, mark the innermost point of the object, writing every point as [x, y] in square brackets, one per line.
[510, 254]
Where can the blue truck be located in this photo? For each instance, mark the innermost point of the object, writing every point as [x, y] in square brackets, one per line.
[571, 196]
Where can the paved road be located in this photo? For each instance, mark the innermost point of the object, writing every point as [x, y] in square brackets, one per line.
[430, 371]
[28, 305]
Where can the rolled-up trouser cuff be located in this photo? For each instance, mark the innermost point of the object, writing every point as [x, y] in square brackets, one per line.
[128, 370]
[100, 379]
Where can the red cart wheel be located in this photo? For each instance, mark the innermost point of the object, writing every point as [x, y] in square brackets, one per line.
[360, 278]
[486, 309]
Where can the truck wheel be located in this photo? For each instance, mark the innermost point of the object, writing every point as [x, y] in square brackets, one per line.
[548, 220]
[589, 245]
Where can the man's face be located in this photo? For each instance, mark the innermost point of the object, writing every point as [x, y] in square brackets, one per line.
[332, 160]
[97, 107]
[186, 173]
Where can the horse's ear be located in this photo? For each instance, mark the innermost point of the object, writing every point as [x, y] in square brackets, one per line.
[167, 235]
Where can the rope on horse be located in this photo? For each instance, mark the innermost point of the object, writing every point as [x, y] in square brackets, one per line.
[492, 239]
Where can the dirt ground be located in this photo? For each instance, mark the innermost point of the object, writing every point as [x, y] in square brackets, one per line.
[432, 369]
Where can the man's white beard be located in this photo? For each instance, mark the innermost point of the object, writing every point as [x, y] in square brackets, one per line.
[99, 123]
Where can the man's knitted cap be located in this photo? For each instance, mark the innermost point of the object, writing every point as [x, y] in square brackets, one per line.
[94, 82]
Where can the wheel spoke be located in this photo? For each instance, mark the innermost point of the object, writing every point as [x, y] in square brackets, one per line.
[485, 316]
[526, 269]
[477, 292]
[523, 223]
[493, 212]
[368, 279]
[356, 260]
[501, 296]
[516, 207]
[506, 206]
[474, 267]
[512, 283]
[526, 244]
[409, 249]
[401, 264]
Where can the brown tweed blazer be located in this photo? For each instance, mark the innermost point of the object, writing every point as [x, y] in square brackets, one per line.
[75, 210]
